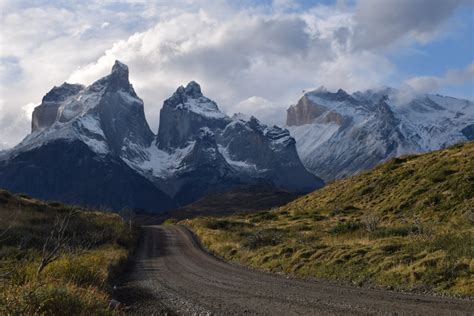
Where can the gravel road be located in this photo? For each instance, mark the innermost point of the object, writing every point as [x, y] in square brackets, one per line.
[173, 275]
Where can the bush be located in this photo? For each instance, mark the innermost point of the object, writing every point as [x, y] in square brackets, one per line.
[225, 224]
[345, 227]
[371, 222]
[347, 209]
[262, 238]
[384, 232]
[52, 299]
[264, 216]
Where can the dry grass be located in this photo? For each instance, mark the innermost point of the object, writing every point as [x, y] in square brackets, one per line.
[78, 281]
[407, 225]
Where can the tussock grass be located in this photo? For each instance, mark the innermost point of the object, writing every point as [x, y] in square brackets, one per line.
[79, 281]
[407, 224]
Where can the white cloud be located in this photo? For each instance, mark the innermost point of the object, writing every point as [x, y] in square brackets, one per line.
[431, 84]
[265, 110]
[272, 57]
[28, 110]
[383, 23]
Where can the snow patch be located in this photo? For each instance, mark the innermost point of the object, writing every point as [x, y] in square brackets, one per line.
[239, 165]
[160, 163]
[204, 107]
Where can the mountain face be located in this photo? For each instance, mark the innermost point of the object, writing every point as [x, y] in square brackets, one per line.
[92, 146]
[200, 150]
[339, 134]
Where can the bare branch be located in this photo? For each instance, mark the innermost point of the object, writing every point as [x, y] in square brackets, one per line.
[56, 242]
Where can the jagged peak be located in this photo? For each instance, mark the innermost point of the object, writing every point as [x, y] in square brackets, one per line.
[118, 79]
[342, 92]
[190, 98]
[193, 89]
[120, 68]
[60, 93]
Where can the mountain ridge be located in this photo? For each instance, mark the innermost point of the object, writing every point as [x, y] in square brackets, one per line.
[340, 134]
[198, 149]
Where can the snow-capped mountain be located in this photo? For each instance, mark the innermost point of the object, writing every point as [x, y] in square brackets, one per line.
[339, 134]
[199, 150]
[92, 145]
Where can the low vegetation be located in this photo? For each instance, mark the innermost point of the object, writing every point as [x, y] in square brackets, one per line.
[406, 225]
[58, 259]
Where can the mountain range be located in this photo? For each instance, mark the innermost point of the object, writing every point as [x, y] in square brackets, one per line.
[93, 146]
[339, 134]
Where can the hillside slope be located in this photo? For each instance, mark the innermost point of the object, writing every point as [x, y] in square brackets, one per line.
[407, 224]
[91, 248]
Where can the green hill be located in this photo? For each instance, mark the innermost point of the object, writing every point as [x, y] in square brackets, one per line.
[82, 251]
[407, 224]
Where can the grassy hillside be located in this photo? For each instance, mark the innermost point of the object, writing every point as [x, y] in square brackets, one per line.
[90, 248]
[408, 225]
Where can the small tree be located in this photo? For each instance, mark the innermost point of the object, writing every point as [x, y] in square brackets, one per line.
[56, 242]
[371, 222]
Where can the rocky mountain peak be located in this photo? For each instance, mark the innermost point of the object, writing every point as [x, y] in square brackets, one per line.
[61, 93]
[118, 79]
[193, 89]
[305, 111]
[184, 113]
[107, 115]
[120, 69]
[342, 94]
[46, 113]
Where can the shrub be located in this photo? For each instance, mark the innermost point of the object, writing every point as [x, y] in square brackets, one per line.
[52, 299]
[317, 217]
[345, 227]
[383, 232]
[225, 224]
[370, 221]
[264, 216]
[262, 238]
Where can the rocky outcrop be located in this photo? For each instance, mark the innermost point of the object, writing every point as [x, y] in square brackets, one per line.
[46, 113]
[184, 114]
[121, 114]
[304, 112]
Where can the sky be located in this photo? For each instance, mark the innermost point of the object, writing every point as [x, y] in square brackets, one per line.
[250, 56]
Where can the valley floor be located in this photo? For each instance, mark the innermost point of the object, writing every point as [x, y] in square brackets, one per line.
[172, 274]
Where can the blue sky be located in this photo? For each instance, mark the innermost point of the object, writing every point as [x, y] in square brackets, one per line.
[250, 56]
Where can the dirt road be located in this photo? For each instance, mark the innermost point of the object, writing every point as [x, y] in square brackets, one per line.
[173, 274]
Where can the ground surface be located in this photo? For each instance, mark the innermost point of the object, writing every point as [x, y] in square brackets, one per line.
[172, 274]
